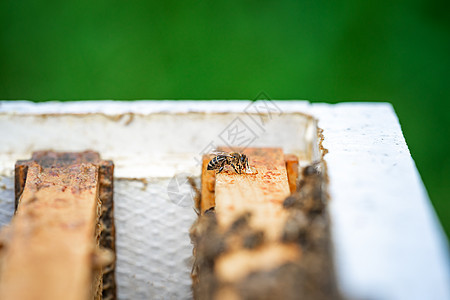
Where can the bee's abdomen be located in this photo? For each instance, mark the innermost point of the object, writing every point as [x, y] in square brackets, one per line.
[216, 162]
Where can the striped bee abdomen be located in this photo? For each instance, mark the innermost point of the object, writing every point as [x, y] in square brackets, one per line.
[217, 162]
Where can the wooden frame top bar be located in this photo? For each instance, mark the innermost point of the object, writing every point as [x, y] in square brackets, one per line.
[50, 247]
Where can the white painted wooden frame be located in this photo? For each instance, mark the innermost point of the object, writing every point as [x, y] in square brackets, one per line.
[387, 240]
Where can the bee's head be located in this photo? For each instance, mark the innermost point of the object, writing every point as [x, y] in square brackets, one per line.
[244, 160]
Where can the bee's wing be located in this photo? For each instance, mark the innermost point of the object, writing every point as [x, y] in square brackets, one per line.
[218, 152]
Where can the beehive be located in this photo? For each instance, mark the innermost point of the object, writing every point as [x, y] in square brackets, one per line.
[378, 204]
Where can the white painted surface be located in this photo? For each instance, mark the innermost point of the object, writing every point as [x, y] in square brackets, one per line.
[168, 136]
[388, 243]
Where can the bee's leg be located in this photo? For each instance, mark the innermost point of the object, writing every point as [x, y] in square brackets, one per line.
[220, 170]
[246, 166]
[234, 167]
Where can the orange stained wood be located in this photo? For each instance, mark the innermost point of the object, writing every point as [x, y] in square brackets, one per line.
[292, 171]
[208, 185]
[50, 244]
[262, 194]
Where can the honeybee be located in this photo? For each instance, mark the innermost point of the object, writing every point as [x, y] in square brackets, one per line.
[238, 161]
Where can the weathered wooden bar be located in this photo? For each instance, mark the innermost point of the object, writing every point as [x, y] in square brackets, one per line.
[257, 240]
[60, 244]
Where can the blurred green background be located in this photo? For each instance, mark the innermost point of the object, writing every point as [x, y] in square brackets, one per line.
[332, 51]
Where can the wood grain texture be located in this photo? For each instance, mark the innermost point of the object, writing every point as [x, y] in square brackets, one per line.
[262, 241]
[261, 194]
[50, 250]
[291, 161]
[257, 200]
[208, 185]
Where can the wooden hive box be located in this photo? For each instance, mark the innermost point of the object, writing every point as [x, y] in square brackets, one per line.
[377, 201]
